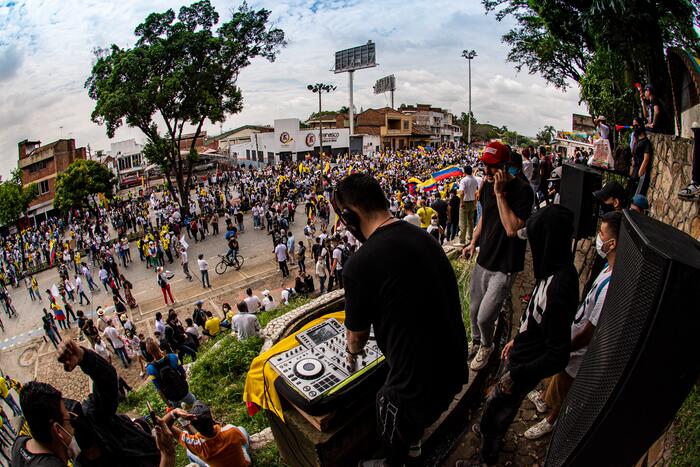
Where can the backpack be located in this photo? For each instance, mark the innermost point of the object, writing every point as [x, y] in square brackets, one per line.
[161, 282]
[171, 382]
[344, 255]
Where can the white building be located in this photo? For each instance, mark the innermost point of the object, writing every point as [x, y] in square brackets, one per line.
[129, 161]
[289, 142]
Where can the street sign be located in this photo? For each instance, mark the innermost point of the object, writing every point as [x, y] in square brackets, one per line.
[356, 58]
[386, 84]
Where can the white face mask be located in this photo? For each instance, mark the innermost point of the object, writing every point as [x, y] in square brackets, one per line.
[599, 243]
[72, 448]
[522, 233]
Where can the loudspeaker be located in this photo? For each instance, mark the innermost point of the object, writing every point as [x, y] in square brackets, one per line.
[578, 182]
[643, 358]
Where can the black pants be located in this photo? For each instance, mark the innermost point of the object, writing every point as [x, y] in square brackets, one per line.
[284, 268]
[499, 411]
[397, 428]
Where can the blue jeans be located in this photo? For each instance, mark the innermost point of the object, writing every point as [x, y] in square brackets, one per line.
[121, 352]
[189, 399]
[205, 278]
[13, 405]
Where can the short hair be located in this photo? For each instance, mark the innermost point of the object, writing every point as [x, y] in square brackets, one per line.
[361, 191]
[242, 307]
[41, 404]
[152, 347]
[613, 220]
[468, 170]
[208, 313]
[249, 291]
[188, 321]
[159, 315]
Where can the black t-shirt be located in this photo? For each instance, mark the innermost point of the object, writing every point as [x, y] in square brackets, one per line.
[440, 206]
[401, 282]
[498, 251]
[643, 146]
[21, 457]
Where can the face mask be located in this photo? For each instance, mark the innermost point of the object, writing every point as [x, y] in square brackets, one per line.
[637, 130]
[72, 447]
[513, 171]
[522, 233]
[599, 243]
[434, 221]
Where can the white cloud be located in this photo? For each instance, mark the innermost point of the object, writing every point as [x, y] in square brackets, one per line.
[46, 55]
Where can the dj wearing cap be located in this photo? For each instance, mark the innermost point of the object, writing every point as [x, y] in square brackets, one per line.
[506, 204]
[421, 334]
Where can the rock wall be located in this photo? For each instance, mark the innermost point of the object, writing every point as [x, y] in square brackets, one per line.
[670, 174]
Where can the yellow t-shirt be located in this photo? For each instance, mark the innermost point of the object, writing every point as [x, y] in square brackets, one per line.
[425, 213]
[213, 326]
[3, 387]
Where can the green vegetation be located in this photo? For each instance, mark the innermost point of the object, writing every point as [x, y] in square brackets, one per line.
[217, 378]
[463, 273]
[686, 449]
[15, 199]
[80, 185]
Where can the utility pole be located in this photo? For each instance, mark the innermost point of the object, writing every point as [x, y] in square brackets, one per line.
[351, 112]
[469, 55]
[320, 88]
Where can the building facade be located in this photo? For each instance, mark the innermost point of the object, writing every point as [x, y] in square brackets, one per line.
[395, 130]
[128, 162]
[42, 164]
[443, 131]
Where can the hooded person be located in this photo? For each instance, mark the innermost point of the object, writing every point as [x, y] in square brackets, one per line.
[541, 347]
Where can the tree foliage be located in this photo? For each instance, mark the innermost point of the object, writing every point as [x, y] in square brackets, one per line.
[560, 39]
[80, 184]
[545, 135]
[181, 72]
[15, 199]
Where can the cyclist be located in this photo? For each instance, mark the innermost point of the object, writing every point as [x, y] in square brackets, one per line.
[232, 248]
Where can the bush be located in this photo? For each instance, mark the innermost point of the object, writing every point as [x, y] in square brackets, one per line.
[463, 274]
[686, 448]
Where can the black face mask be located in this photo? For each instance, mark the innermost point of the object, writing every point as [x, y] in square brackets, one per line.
[637, 130]
[605, 208]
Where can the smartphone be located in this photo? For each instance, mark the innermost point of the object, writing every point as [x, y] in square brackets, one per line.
[151, 413]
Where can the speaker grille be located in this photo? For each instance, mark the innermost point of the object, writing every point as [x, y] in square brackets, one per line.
[631, 299]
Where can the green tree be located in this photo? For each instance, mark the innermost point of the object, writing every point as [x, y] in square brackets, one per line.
[15, 199]
[545, 135]
[559, 39]
[604, 89]
[180, 72]
[80, 184]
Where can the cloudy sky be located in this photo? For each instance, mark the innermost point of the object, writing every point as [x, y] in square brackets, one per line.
[46, 55]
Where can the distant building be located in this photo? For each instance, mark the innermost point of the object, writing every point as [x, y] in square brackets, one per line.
[440, 121]
[240, 135]
[126, 160]
[41, 164]
[396, 130]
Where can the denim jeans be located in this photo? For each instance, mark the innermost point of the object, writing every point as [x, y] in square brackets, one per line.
[205, 278]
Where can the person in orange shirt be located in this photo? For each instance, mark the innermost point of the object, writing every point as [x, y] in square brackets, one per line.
[211, 443]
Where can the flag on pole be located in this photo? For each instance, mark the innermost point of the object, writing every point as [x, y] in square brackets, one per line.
[327, 168]
[448, 172]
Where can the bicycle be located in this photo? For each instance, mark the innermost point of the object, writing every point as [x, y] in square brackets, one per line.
[225, 262]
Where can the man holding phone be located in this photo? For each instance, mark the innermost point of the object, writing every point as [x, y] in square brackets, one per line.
[506, 204]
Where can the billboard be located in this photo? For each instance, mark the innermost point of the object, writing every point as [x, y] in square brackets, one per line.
[355, 58]
[388, 83]
[582, 123]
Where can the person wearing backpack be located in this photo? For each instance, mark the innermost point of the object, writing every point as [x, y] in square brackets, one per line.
[340, 256]
[168, 376]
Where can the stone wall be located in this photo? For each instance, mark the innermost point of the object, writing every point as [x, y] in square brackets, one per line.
[670, 174]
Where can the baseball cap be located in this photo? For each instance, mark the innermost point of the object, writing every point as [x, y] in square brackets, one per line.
[640, 201]
[200, 409]
[495, 153]
[198, 302]
[611, 190]
[555, 175]
[266, 293]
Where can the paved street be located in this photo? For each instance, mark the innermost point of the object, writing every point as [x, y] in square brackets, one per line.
[256, 247]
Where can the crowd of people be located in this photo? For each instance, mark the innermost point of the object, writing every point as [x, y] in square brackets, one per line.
[491, 204]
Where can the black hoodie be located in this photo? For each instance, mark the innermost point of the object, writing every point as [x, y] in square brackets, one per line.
[542, 345]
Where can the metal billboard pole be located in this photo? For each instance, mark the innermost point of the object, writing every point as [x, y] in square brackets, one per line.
[320, 88]
[350, 60]
[469, 55]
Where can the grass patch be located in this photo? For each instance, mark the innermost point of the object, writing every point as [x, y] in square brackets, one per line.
[686, 448]
[268, 316]
[463, 273]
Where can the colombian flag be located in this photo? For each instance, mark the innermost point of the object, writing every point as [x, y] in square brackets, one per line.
[327, 168]
[448, 172]
[429, 185]
[52, 252]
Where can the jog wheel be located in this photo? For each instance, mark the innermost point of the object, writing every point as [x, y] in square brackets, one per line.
[308, 368]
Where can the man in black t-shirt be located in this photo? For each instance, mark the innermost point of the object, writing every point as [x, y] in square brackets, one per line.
[642, 155]
[453, 216]
[411, 313]
[506, 205]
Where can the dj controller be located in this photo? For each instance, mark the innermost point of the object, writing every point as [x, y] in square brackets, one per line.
[317, 367]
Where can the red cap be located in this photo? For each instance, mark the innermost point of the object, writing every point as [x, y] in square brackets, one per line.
[495, 153]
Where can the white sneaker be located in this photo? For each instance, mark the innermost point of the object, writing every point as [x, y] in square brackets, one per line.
[482, 358]
[692, 191]
[536, 398]
[539, 429]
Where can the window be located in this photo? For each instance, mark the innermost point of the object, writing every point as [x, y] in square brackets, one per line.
[136, 160]
[38, 166]
[405, 124]
[43, 187]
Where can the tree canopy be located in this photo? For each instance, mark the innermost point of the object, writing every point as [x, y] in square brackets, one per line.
[15, 199]
[181, 72]
[80, 184]
[563, 40]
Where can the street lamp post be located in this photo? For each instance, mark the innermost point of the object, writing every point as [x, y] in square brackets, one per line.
[469, 55]
[320, 88]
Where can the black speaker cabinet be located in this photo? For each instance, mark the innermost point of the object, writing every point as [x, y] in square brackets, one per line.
[578, 182]
[643, 358]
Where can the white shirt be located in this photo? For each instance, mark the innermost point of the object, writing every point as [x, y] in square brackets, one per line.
[589, 311]
[113, 335]
[284, 296]
[469, 185]
[252, 303]
[160, 327]
[321, 270]
[245, 325]
[338, 256]
[203, 265]
[268, 304]
[281, 252]
[102, 351]
[412, 219]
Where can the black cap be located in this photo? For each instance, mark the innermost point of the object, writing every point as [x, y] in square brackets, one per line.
[611, 190]
[200, 409]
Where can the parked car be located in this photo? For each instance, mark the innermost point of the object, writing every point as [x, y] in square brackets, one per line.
[203, 166]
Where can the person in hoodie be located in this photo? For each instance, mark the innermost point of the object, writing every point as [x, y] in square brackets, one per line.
[541, 347]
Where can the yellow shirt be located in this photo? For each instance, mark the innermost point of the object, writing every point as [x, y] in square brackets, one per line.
[425, 213]
[3, 387]
[213, 326]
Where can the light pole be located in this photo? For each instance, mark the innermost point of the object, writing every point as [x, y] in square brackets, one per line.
[320, 88]
[469, 55]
